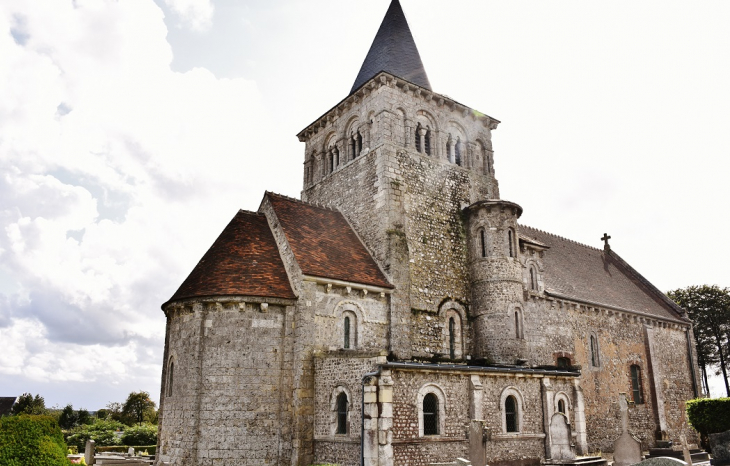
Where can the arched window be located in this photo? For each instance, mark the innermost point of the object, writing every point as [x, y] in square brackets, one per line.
[358, 143]
[427, 142]
[510, 412]
[636, 386]
[482, 243]
[561, 406]
[533, 279]
[457, 152]
[341, 413]
[595, 362]
[170, 377]
[430, 415]
[510, 240]
[452, 338]
[347, 332]
[519, 332]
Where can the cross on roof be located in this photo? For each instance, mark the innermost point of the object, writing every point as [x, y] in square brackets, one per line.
[605, 240]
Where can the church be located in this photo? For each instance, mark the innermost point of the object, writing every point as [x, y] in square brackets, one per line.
[400, 314]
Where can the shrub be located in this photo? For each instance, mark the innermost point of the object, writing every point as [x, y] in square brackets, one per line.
[709, 416]
[143, 434]
[101, 431]
[31, 439]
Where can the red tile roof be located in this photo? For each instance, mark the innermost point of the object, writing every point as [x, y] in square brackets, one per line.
[243, 261]
[324, 244]
[589, 274]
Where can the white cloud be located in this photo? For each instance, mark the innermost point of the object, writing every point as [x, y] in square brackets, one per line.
[194, 14]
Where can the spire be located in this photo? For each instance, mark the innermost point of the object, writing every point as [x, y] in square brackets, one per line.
[393, 51]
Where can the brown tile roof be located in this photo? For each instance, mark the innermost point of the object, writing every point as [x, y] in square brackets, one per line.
[589, 274]
[324, 244]
[243, 261]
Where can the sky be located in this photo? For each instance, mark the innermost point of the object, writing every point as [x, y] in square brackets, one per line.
[132, 131]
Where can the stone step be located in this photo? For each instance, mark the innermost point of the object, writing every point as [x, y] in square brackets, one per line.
[580, 461]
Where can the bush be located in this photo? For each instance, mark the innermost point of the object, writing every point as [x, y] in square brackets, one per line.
[102, 432]
[143, 434]
[31, 439]
[709, 416]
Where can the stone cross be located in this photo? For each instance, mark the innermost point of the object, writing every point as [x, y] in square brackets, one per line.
[626, 449]
[605, 240]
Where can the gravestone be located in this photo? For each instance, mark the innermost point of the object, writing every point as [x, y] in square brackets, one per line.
[477, 443]
[130, 452]
[662, 461]
[90, 452]
[560, 438]
[626, 449]
[720, 448]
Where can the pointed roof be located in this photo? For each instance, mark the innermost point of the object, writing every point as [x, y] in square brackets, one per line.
[394, 51]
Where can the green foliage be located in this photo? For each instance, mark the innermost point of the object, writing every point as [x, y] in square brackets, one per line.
[138, 407]
[31, 439]
[103, 413]
[101, 431]
[69, 418]
[27, 404]
[709, 416]
[142, 434]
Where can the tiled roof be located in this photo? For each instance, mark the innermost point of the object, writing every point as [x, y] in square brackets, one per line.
[6, 405]
[589, 274]
[243, 261]
[393, 50]
[324, 244]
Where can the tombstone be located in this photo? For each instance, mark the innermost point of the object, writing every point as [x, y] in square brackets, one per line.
[720, 448]
[626, 449]
[90, 452]
[560, 437]
[478, 443]
[661, 461]
[685, 450]
[130, 452]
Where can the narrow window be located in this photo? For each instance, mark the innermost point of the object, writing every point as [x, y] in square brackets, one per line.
[563, 363]
[353, 154]
[452, 339]
[359, 143]
[636, 384]
[510, 410]
[457, 152]
[518, 330]
[533, 280]
[347, 332]
[482, 243]
[341, 413]
[430, 415]
[331, 161]
[335, 157]
[561, 406]
[509, 240]
[418, 138]
[427, 142]
[170, 378]
[594, 352]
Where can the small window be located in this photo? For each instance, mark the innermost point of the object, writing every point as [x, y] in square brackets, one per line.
[452, 338]
[418, 138]
[563, 362]
[170, 378]
[430, 415]
[561, 406]
[341, 413]
[594, 351]
[533, 279]
[510, 241]
[482, 243]
[427, 142]
[510, 410]
[358, 143]
[347, 332]
[636, 389]
[457, 152]
[519, 331]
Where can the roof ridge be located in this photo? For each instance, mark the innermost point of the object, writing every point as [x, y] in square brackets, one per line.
[562, 238]
[244, 211]
[310, 204]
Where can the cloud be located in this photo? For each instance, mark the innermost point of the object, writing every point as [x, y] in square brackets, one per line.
[194, 14]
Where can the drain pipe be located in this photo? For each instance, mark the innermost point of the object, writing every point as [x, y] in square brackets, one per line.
[362, 413]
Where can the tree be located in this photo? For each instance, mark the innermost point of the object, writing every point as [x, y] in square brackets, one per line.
[138, 405]
[30, 439]
[27, 404]
[709, 309]
[103, 432]
[68, 417]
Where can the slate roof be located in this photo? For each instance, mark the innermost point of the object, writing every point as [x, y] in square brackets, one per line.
[393, 50]
[243, 261]
[589, 274]
[6, 404]
[324, 244]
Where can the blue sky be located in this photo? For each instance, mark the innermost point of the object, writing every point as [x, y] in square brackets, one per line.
[133, 131]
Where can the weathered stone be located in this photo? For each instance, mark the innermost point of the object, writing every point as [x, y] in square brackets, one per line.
[720, 446]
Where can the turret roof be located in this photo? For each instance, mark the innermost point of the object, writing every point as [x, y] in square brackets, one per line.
[393, 50]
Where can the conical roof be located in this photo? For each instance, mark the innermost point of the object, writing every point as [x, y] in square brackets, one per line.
[393, 51]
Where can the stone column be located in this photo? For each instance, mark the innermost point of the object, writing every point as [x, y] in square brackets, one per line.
[421, 140]
[370, 444]
[385, 422]
[579, 420]
[476, 397]
[548, 404]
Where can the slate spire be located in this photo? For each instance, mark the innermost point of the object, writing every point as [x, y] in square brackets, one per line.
[394, 51]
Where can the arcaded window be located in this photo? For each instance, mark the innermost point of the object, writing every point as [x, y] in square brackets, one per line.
[636, 386]
[341, 413]
[170, 377]
[452, 338]
[457, 152]
[561, 406]
[347, 332]
[510, 412]
[482, 243]
[430, 415]
[595, 361]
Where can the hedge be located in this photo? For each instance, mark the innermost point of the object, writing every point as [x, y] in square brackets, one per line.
[709, 415]
[31, 439]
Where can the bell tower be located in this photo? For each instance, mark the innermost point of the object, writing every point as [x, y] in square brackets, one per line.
[402, 162]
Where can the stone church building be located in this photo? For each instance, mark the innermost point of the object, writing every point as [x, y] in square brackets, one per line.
[399, 313]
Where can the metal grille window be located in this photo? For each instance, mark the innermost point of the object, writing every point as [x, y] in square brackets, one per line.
[341, 414]
[452, 338]
[636, 385]
[510, 409]
[430, 415]
[347, 332]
